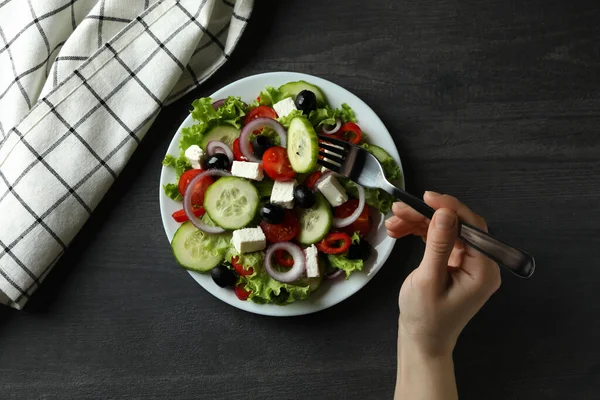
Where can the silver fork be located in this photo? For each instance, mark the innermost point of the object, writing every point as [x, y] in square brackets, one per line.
[362, 167]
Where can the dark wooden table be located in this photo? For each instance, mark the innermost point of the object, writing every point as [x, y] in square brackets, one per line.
[496, 101]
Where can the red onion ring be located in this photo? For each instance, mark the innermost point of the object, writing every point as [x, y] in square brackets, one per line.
[295, 271]
[334, 129]
[255, 124]
[189, 208]
[334, 275]
[218, 104]
[216, 146]
[342, 222]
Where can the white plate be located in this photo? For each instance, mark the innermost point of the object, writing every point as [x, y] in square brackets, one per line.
[330, 293]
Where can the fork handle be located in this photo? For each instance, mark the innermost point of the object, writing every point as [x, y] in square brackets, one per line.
[512, 258]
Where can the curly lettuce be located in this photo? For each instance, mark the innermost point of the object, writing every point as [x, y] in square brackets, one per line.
[181, 164]
[376, 198]
[231, 112]
[268, 96]
[327, 115]
[172, 191]
[285, 121]
[341, 261]
[391, 170]
[263, 288]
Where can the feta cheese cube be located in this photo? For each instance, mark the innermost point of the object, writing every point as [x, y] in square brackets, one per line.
[249, 170]
[194, 156]
[248, 240]
[312, 262]
[332, 190]
[283, 193]
[284, 107]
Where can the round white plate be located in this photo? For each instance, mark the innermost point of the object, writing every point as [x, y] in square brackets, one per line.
[330, 293]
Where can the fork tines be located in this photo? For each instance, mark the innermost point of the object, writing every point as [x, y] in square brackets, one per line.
[332, 155]
[336, 141]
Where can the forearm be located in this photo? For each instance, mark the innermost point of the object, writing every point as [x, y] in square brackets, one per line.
[423, 377]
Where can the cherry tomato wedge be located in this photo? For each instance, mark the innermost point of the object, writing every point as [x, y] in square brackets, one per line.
[201, 186]
[239, 268]
[312, 179]
[260, 111]
[237, 152]
[350, 132]
[284, 258]
[283, 232]
[180, 216]
[364, 222]
[241, 293]
[277, 164]
[335, 243]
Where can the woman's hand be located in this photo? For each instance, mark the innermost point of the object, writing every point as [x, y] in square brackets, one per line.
[438, 298]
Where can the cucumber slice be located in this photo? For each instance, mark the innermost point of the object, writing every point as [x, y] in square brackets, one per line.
[231, 202]
[293, 88]
[302, 145]
[224, 133]
[315, 222]
[190, 246]
[379, 153]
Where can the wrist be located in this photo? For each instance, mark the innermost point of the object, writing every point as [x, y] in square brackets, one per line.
[423, 346]
[423, 373]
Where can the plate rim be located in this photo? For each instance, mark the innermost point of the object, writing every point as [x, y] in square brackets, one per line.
[268, 309]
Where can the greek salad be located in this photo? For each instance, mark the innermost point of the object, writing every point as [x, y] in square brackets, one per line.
[258, 212]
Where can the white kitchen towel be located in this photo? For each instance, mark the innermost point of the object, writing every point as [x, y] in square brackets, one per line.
[81, 81]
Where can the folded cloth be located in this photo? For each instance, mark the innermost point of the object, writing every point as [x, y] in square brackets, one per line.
[81, 81]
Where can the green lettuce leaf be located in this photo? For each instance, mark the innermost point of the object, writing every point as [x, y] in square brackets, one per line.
[391, 170]
[172, 191]
[376, 198]
[327, 115]
[252, 260]
[340, 261]
[180, 164]
[231, 112]
[263, 288]
[268, 97]
[264, 187]
[285, 121]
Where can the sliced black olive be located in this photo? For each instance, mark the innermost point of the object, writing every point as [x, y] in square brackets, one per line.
[260, 144]
[216, 161]
[272, 213]
[304, 197]
[306, 101]
[223, 276]
[359, 251]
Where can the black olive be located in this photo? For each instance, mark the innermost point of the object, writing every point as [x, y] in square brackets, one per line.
[260, 144]
[359, 251]
[306, 101]
[304, 197]
[272, 213]
[223, 276]
[216, 161]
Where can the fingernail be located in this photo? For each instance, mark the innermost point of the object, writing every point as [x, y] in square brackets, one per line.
[444, 220]
[432, 194]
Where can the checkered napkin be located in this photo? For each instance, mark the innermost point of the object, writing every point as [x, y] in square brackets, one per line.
[81, 81]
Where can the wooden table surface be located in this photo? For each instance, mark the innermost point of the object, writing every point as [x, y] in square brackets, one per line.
[495, 101]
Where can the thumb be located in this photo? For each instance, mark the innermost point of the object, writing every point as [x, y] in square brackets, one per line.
[440, 242]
